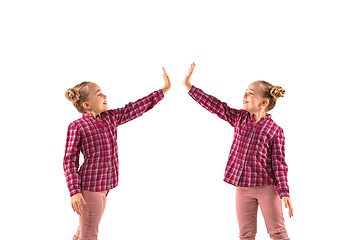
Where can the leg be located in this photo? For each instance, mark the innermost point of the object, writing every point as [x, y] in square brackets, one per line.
[91, 215]
[271, 208]
[77, 234]
[246, 210]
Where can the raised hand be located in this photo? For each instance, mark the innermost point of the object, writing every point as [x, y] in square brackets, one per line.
[186, 81]
[167, 82]
[288, 204]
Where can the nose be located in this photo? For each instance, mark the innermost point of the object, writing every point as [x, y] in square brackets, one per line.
[105, 96]
[245, 96]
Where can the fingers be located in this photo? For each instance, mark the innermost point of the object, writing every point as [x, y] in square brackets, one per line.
[83, 200]
[166, 77]
[191, 69]
[77, 207]
[291, 210]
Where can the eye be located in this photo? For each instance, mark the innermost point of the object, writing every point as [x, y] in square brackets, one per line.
[251, 94]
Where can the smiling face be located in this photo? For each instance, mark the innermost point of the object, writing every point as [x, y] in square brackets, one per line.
[97, 100]
[253, 100]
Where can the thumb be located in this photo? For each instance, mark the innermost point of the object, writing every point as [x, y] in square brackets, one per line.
[83, 200]
[286, 203]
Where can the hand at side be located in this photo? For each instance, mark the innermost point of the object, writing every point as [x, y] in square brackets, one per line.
[288, 204]
[76, 200]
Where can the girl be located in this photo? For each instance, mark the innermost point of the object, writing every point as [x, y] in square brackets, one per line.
[95, 136]
[256, 164]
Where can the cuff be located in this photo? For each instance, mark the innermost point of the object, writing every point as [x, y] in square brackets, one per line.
[75, 191]
[161, 93]
[192, 90]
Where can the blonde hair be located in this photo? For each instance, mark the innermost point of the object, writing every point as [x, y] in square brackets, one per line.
[78, 95]
[272, 93]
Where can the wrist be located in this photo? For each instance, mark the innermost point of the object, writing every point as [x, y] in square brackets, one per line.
[165, 89]
[188, 87]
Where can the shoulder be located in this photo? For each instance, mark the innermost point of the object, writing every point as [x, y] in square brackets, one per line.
[272, 128]
[244, 113]
[110, 114]
[78, 124]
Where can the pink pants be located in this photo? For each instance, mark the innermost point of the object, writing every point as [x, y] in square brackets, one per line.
[247, 201]
[91, 215]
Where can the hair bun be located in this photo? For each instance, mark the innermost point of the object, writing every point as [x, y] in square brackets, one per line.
[277, 92]
[73, 95]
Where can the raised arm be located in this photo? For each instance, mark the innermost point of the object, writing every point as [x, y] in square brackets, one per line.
[135, 109]
[211, 103]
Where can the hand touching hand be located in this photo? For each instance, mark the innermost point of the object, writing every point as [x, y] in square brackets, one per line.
[186, 81]
[76, 200]
[167, 82]
[287, 203]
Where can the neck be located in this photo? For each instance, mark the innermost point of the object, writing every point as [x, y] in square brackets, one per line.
[93, 113]
[258, 115]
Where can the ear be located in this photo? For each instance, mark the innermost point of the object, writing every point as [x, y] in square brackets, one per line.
[86, 106]
[265, 102]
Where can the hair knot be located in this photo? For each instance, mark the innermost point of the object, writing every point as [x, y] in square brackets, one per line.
[277, 92]
[73, 95]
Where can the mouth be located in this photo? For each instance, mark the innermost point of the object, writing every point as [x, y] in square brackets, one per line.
[245, 102]
[105, 103]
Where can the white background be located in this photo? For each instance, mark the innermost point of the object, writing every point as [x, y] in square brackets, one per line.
[172, 159]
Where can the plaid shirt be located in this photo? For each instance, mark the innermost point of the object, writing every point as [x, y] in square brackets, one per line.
[257, 155]
[96, 139]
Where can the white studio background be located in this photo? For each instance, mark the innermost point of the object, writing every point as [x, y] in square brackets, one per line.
[172, 159]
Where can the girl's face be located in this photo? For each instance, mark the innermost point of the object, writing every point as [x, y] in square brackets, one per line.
[97, 100]
[253, 101]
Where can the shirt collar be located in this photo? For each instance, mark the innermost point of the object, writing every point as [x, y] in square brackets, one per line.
[89, 115]
[266, 117]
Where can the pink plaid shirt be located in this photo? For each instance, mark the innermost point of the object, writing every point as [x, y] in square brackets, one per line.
[96, 139]
[257, 155]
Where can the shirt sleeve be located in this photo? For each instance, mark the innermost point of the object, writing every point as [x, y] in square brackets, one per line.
[214, 105]
[134, 110]
[71, 159]
[279, 165]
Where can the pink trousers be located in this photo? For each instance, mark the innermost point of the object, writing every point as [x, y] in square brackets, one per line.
[91, 215]
[247, 201]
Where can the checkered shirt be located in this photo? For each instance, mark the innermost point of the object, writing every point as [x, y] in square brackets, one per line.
[96, 139]
[257, 155]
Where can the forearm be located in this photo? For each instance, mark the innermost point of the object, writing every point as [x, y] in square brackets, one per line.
[134, 110]
[72, 177]
[71, 159]
[214, 105]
